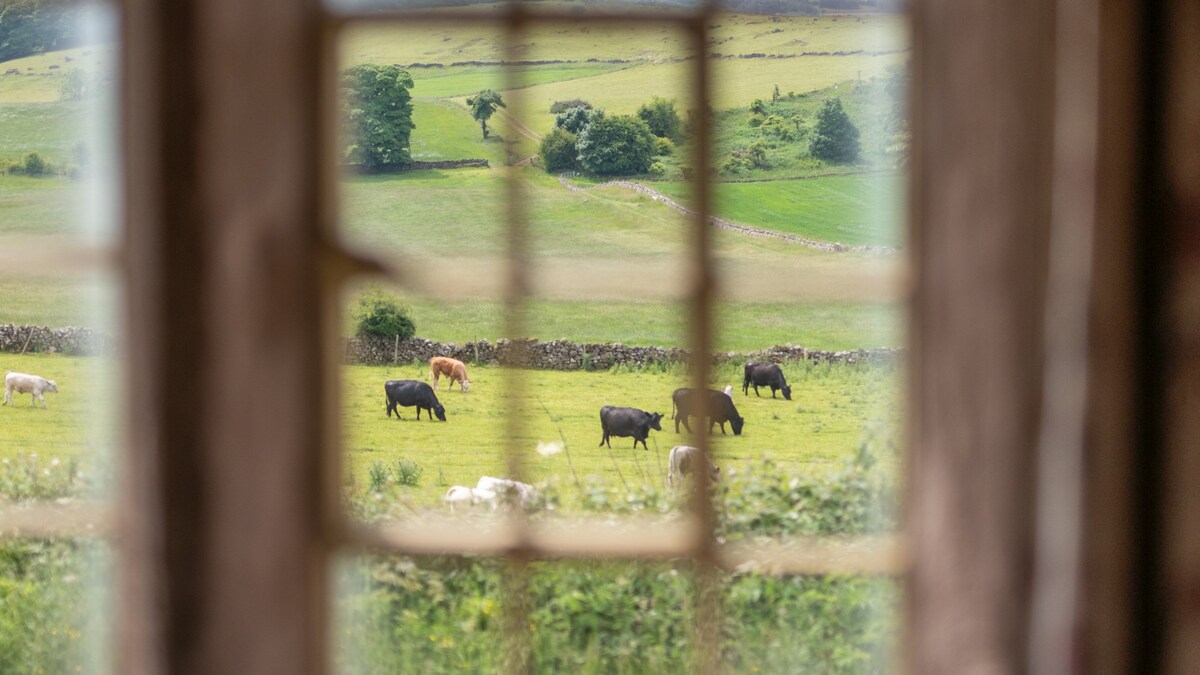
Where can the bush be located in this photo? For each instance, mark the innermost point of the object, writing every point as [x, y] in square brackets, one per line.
[575, 120]
[407, 472]
[35, 165]
[379, 314]
[663, 147]
[563, 106]
[835, 138]
[558, 151]
[621, 145]
[662, 118]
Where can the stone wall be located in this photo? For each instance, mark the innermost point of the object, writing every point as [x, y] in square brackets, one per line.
[552, 355]
[567, 355]
[69, 340]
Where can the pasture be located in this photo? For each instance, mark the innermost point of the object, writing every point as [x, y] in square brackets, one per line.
[833, 410]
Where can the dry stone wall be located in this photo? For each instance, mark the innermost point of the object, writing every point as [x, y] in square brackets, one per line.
[567, 355]
[69, 340]
[551, 355]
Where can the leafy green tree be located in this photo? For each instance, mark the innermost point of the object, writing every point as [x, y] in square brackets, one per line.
[379, 314]
[558, 151]
[483, 105]
[35, 26]
[662, 118]
[377, 111]
[834, 137]
[576, 119]
[620, 145]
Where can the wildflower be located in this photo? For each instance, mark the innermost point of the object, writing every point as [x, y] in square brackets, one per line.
[54, 462]
[548, 449]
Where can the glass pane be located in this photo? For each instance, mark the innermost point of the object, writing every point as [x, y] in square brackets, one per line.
[59, 341]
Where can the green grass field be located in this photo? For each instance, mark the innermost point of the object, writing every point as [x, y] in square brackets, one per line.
[831, 410]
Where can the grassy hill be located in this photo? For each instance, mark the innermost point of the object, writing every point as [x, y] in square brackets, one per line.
[452, 222]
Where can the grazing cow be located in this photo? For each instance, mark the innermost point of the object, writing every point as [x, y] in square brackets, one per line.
[452, 369]
[469, 496]
[410, 393]
[720, 409]
[515, 491]
[685, 459]
[765, 375]
[616, 421]
[22, 383]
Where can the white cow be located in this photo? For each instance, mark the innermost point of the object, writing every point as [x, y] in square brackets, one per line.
[685, 459]
[522, 493]
[469, 496]
[22, 383]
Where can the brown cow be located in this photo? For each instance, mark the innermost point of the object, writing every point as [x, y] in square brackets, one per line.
[451, 368]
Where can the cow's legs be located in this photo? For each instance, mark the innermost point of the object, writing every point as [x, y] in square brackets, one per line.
[603, 440]
[772, 392]
[42, 400]
[756, 391]
[7, 396]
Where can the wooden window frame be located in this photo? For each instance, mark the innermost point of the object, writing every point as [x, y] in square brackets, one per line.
[1053, 393]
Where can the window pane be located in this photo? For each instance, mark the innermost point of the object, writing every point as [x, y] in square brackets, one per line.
[58, 331]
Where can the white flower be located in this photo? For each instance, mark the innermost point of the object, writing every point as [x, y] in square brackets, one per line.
[54, 462]
[548, 449]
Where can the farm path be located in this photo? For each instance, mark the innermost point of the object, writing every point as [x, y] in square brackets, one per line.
[729, 225]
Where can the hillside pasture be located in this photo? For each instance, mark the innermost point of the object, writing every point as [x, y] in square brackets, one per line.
[853, 209]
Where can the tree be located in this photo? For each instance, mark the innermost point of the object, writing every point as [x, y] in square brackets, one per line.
[660, 115]
[617, 145]
[377, 112]
[379, 314]
[483, 105]
[576, 119]
[558, 151]
[834, 137]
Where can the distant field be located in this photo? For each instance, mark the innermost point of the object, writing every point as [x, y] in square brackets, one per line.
[862, 209]
[49, 129]
[39, 78]
[466, 80]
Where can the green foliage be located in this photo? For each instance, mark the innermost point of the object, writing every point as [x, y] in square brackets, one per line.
[483, 105]
[620, 145]
[835, 138]
[663, 147]
[378, 314]
[576, 119]
[661, 117]
[562, 106]
[558, 151]
[377, 112]
[407, 472]
[377, 474]
[30, 27]
[34, 165]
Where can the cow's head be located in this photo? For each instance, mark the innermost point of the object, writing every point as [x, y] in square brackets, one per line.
[440, 411]
[787, 392]
[655, 418]
[53, 387]
[466, 386]
[737, 423]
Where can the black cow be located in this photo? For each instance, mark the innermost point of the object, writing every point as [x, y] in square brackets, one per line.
[765, 375]
[410, 393]
[616, 421]
[720, 409]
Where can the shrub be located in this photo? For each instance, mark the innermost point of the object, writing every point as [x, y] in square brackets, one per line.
[834, 138]
[35, 165]
[662, 118]
[562, 106]
[379, 314]
[558, 151]
[377, 477]
[620, 145]
[575, 120]
[657, 168]
[407, 472]
[663, 146]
